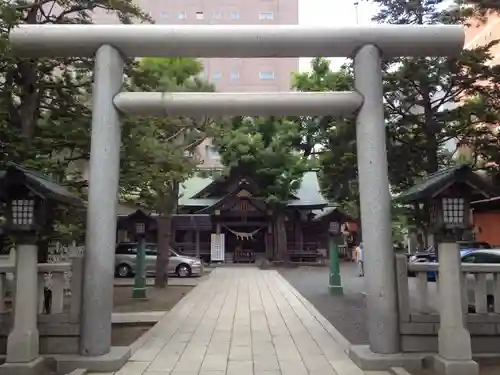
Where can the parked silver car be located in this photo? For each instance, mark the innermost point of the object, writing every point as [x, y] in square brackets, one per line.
[180, 265]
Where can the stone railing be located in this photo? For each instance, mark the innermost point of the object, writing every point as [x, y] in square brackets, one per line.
[58, 310]
[419, 305]
[56, 294]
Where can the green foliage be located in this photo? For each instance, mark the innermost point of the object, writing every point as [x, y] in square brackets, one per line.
[419, 118]
[421, 93]
[177, 70]
[432, 101]
[333, 137]
[44, 103]
[479, 8]
[157, 153]
[263, 148]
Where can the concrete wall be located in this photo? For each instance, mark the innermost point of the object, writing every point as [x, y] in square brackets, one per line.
[487, 225]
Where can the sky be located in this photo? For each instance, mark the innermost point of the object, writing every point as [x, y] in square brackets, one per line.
[333, 13]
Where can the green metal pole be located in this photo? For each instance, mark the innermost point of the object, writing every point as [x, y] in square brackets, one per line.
[139, 289]
[335, 283]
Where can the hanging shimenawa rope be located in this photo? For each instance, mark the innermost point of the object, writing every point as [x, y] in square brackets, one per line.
[243, 235]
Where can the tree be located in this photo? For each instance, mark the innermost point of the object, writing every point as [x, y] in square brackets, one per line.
[157, 153]
[334, 138]
[432, 101]
[263, 149]
[429, 100]
[45, 114]
[479, 8]
[43, 98]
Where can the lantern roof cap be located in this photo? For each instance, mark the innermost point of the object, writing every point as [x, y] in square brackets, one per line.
[434, 184]
[38, 183]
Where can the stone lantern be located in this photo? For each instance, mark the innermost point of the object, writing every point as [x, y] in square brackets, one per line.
[139, 224]
[29, 200]
[450, 218]
[335, 283]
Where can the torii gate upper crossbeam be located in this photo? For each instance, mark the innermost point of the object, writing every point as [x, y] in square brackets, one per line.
[236, 40]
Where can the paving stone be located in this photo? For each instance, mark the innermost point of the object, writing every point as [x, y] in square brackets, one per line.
[240, 368]
[346, 367]
[293, 368]
[265, 363]
[133, 368]
[214, 363]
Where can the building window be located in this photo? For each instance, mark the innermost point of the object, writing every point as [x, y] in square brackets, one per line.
[235, 75]
[200, 15]
[235, 15]
[266, 76]
[181, 15]
[266, 16]
[216, 76]
[164, 14]
[218, 15]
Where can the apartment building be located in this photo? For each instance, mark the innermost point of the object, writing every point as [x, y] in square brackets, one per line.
[481, 33]
[229, 75]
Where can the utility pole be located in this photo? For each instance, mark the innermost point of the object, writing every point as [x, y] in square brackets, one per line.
[356, 11]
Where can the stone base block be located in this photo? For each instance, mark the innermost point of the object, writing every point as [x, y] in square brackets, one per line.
[110, 362]
[443, 366]
[370, 361]
[38, 366]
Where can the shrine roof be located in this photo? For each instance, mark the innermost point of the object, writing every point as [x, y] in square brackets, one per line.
[436, 182]
[327, 211]
[308, 194]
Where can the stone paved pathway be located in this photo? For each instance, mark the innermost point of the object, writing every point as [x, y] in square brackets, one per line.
[242, 321]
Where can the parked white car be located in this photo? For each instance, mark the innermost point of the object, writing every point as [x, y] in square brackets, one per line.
[180, 265]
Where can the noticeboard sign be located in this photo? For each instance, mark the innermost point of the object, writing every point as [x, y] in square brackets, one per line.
[334, 227]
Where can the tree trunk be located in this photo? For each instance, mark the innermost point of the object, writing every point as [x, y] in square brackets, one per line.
[164, 235]
[281, 245]
[432, 154]
[168, 207]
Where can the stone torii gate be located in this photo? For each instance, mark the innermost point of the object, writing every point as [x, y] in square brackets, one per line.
[111, 43]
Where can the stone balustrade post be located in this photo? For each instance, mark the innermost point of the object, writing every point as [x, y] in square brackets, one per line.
[57, 303]
[455, 353]
[76, 288]
[22, 344]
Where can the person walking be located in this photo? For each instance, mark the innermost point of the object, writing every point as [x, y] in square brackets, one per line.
[360, 259]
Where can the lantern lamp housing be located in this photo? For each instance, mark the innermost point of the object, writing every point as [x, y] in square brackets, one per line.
[454, 212]
[140, 228]
[137, 223]
[25, 211]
